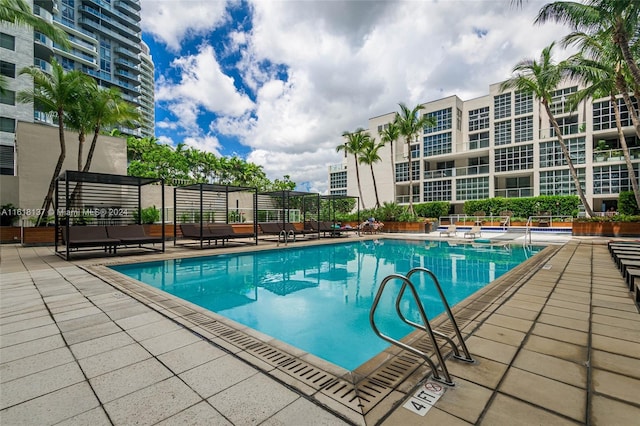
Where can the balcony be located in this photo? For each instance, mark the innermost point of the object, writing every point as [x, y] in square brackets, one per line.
[43, 65]
[337, 168]
[42, 46]
[126, 64]
[129, 76]
[514, 192]
[436, 174]
[568, 129]
[109, 33]
[133, 56]
[615, 155]
[42, 13]
[472, 170]
[404, 199]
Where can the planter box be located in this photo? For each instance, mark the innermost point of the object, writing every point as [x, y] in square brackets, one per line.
[606, 229]
[155, 230]
[39, 236]
[9, 234]
[407, 227]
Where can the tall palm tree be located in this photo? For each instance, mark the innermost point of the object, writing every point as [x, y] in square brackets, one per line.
[389, 135]
[619, 19]
[542, 78]
[370, 156]
[18, 12]
[602, 74]
[410, 123]
[354, 145]
[53, 93]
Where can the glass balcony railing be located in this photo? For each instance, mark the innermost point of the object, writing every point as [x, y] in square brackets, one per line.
[337, 168]
[43, 65]
[404, 199]
[472, 170]
[615, 155]
[514, 192]
[435, 174]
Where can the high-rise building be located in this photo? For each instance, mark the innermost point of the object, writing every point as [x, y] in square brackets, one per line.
[105, 42]
[147, 92]
[500, 145]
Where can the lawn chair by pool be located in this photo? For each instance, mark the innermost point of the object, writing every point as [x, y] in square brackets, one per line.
[131, 234]
[474, 232]
[227, 232]
[88, 237]
[201, 234]
[451, 229]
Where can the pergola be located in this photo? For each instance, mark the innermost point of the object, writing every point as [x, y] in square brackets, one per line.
[287, 206]
[208, 203]
[99, 199]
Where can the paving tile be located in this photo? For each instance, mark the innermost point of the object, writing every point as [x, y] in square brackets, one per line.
[88, 321]
[52, 407]
[465, 400]
[26, 324]
[77, 313]
[517, 313]
[37, 384]
[609, 344]
[189, 356]
[552, 367]
[551, 394]
[154, 329]
[303, 412]
[483, 371]
[32, 364]
[616, 322]
[560, 333]
[140, 320]
[152, 404]
[200, 414]
[615, 385]
[217, 375]
[564, 322]
[492, 350]
[170, 341]
[245, 403]
[403, 416]
[625, 365]
[606, 411]
[91, 332]
[505, 410]
[117, 383]
[617, 332]
[101, 344]
[568, 313]
[500, 334]
[33, 347]
[510, 322]
[112, 360]
[557, 348]
[94, 417]
[30, 334]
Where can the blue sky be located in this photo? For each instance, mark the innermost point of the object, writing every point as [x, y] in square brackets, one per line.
[277, 82]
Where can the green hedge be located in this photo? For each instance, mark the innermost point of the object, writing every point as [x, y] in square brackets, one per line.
[562, 205]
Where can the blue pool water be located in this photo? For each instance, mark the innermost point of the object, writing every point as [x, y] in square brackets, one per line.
[318, 298]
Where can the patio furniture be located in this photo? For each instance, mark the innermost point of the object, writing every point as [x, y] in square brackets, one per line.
[201, 234]
[474, 232]
[131, 234]
[544, 219]
[89, 237]
[226, 230]
[479, 215]
[451, 229]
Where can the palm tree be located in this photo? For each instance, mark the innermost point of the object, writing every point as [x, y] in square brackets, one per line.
[369, 155]
[602, 74]
[390, 134]
[619, 19]
[410, 123]
[53, 93]
[354, 144]
[541, 79]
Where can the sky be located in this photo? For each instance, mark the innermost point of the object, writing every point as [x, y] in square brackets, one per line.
[278, 82]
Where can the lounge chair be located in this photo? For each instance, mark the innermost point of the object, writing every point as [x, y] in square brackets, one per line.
[479, 216]
[324, 227]
[506, 219]
[88, 237]
[544, 219]
[275, 228]
[131, 234]
[451, 229]
[227, 230]
[474, 232]
[196, 232]
[290, 228]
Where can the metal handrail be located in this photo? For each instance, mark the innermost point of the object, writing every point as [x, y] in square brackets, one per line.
[406, 282]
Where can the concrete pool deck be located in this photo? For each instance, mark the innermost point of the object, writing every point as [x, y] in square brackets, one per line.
[562, 348]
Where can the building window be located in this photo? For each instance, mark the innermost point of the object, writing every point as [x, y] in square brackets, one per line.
[479, 119]
[443, 120]
[8, 97]
[7, 41]
[612, 179]
[7, 125]
[439, 190]
[459, 119]
[8, 69]
[559, 100]
[479, 140]
[523, 129]
[382, 127]
[502, 106]
[568, 126]
[402, 171]
[338, 192]
[472, 188]
[6, 160]
[551, 154]
[518, 157]
[437, 144]
[338, 180]
[560, 182]
[523, 103]
[604, 117]
[105, 56]
[67, 12]
[502, 132]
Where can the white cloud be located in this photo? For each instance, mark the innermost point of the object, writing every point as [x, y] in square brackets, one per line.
[347, 61]
[205, 143]
[170, 21]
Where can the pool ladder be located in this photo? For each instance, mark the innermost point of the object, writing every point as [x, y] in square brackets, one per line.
[426, 326]
[284, 236]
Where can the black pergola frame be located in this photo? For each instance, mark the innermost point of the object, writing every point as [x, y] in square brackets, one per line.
[110, 210]
[212, 190]
[284, 198]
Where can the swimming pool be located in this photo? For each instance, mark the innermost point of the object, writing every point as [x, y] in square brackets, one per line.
[317, 298]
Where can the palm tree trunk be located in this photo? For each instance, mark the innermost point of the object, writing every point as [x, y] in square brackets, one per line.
[625, 150]
[567, 156]
[622, 89]
[410, 177]
[92, 149]
[621, 40]
[375, 187]
[393, 172]
[355, 157]
[46, 205]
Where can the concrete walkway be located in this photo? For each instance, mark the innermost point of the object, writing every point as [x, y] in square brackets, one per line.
[564, 348]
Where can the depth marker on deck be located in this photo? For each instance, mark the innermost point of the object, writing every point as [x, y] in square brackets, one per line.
[425, 398]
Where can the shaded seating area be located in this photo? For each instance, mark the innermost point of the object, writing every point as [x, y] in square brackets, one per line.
[284, 214]
[626, 255]
[206, 212]
[99, 211]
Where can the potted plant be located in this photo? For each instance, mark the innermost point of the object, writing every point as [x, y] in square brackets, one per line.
[600, 150]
